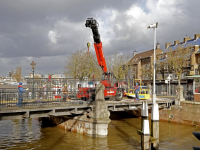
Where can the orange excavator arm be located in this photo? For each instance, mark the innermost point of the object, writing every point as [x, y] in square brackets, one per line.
[92, 23]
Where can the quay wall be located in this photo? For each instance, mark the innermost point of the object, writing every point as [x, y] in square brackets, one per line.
[187, 113]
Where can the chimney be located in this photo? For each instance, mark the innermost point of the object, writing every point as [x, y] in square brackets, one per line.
[134, 53]
[157, 45]
[186, 39]
[196, 36]
[167, 45]
[176, 42]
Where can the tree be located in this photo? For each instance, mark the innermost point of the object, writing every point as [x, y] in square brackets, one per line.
[147, 71]
[18, 74]
[178, 59]
[82, 64]
[118, 64]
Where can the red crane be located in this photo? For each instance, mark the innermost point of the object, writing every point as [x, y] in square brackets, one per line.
[111, 88]
[92, 23]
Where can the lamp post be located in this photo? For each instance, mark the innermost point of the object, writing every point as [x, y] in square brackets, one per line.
[155, 110]
[33, 65]
[154, 26]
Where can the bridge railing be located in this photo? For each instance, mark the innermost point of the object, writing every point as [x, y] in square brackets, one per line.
[45, 92]
[9, 99]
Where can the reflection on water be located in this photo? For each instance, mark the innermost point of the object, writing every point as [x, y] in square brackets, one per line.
[17, 133]
[122, 134]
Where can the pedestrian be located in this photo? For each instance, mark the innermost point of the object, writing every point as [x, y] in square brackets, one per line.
[65, 92]
[137, 90]
[20, 94]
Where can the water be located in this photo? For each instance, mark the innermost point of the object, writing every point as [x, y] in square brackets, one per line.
[122, 134]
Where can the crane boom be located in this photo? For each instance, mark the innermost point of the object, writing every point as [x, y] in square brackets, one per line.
[92, 23]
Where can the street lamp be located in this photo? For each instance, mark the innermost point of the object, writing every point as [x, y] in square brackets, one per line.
[33, 65]
[154, 26]
[154, 109]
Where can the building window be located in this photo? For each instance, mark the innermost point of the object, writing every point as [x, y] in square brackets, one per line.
[198, 60]
[166, 66]
[196, 71]
[192, 68]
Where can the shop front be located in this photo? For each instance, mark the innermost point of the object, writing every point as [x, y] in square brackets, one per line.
[196, 87]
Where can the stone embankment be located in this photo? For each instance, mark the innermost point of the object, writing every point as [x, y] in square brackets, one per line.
[187, 113]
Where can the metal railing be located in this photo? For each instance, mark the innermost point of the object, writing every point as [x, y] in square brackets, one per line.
[188, 95]
[9, 99]
[45, 92]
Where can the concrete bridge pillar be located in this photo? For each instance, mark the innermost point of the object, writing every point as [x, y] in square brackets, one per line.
[93, 122]
[99, 117]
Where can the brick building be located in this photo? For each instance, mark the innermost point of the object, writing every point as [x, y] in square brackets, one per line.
[191, 69]
[143, 60]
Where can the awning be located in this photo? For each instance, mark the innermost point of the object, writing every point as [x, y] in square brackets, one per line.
[194, 76]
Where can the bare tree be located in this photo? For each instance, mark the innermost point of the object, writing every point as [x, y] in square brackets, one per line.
[117, 63]
[18, 74]
[82, 64]
[147, 71]
[178, 59]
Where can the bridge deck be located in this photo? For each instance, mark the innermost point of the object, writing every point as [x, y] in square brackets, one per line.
[71, 107]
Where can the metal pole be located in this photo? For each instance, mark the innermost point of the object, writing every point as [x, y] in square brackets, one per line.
[154, 69]
[33, 84]
[169, 88]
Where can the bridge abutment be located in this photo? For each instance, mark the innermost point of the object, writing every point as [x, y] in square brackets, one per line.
[93, 122]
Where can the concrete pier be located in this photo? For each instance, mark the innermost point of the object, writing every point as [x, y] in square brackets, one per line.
[93, 122]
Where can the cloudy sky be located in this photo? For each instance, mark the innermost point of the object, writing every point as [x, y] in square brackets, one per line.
[47, 31]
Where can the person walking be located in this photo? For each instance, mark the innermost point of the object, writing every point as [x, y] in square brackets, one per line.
[65, 92]
[137, 90]
[20, 94]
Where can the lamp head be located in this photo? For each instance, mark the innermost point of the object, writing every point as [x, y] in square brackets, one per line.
[155, 25]
[33, 64]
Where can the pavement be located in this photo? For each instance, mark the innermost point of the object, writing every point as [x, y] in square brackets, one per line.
[171, 98]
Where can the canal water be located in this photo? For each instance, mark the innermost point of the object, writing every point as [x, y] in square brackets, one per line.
[29, 134]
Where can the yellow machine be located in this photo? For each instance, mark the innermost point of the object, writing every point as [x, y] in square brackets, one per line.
[143, 94]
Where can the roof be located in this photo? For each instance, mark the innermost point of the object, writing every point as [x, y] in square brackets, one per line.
[137, 57]
[162, 60]
[189, 42]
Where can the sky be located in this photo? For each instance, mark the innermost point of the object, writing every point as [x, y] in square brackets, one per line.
[48, 31]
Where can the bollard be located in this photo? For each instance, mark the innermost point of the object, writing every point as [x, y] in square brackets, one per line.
[155, 127]
[146, 135]
[144, 112]
[144, 132]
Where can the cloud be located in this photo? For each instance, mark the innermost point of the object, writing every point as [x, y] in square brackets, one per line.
[48, 31]
[53, 36]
